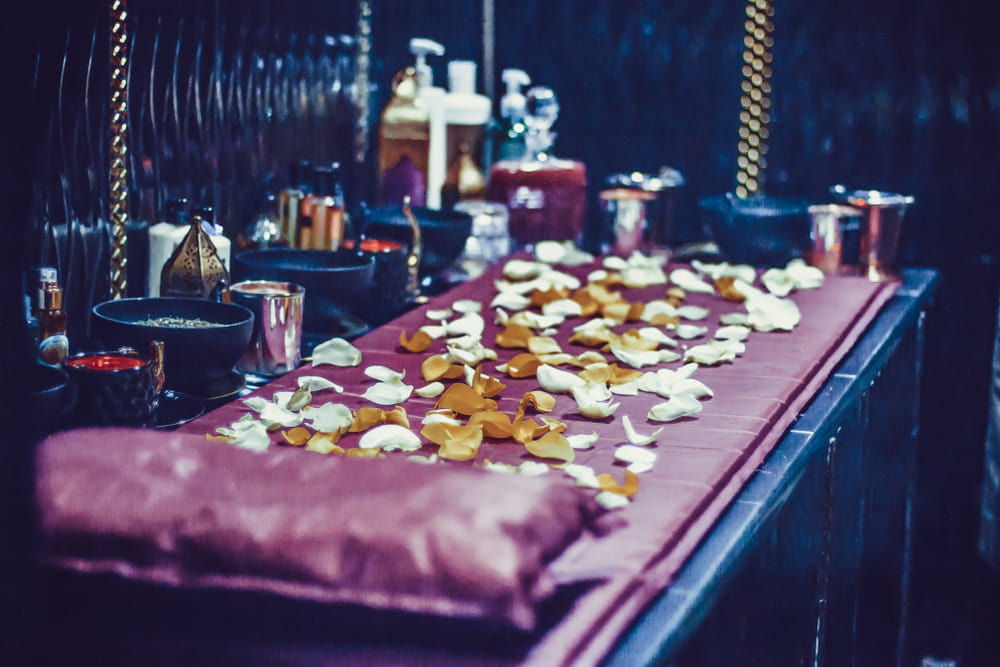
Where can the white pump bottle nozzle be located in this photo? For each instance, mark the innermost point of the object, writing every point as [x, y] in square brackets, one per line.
[421, 47]
[512, 103]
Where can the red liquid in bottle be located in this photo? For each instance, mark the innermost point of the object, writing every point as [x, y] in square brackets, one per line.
[546, 199]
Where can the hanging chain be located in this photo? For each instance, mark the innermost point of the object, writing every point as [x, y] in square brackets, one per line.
[361, 79]
[756, 98]
[119, 148]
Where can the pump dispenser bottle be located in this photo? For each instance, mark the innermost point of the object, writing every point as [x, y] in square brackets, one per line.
[512, 127]
[545, 195]
[408, 156]
[466, 116]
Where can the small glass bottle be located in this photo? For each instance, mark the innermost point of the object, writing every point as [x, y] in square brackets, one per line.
[545, 195]
[53, 343]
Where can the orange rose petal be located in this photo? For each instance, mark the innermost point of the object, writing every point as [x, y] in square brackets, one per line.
[418, 343]
[679, 294]
[436, 367]
[397, 416]
[728, 291]
[514, 336]
[219, 438]
[325, 443]
[296, 436]
[458, 443]
[358, 453]
[628, 489]
[596, 373]
[592, 337]
[621, 375]
[540, 400]
[616, 311]
[523, 365]
[635, 311]
[541, 297]
[526, 430]
[493, 424]
[487, 387]
[464, 400]
[588, 304]
[365, 418]
[554, 425]
[552, 445]
[662, 320]
[633, 341]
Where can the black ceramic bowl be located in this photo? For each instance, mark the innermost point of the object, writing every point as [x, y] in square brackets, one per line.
[758, 230]
[53, 398]
[335, 281]
[443, 233]
[194, 356]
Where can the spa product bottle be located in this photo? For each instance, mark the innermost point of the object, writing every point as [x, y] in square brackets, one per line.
[545, 196]
[512, 127]
[466, 116]
[405, 133]
[164, 237]
[265, 230]
[327, 212]
[53, 343]
[290, 202]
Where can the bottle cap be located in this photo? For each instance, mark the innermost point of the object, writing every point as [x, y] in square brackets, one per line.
[421, 47]
[462, 76]
[512, 103]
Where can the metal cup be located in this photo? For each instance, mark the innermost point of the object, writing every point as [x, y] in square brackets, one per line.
[833, 238]
[881, 224]
[625, 217]
[275, 345]
[658, 209]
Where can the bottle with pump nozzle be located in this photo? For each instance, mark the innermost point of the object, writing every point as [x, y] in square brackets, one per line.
[411, 132]
[47, 309]
[512, 112]
[545, 195]
[466, 116]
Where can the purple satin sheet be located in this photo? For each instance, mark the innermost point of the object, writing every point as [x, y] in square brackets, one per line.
[702, 462]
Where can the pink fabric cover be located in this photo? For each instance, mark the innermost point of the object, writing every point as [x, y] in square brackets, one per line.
[387, 533]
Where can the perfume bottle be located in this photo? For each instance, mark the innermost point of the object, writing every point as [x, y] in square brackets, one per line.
[53, 343]
[545, 196]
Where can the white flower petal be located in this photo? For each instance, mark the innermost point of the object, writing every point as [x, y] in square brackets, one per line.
[708, 354]
[435, 331]
[584, 475]
[689, 331]
[638, 277]
[636, 438]
[778, 282]
[336, 352]
[329, 417]
[440, 417]
[275, 414]
[611, 501]
[535, 321]
[634, 454]
[803, 275]
[692, 312]
[658, 335]
[693, 388]
[667, 356]
[420, 458]
[430, 390]
[438, 314]
[614, 263]
[563, 308]
[533, 468]
[681, 405]
[626, 389]
[388, 393]
[733, 319]
[467, 306]
[658, 307]
[640, 467]
[510, 301]
[254, 438]
[314, 383]
[732, 332]
[767, 312]
[390, 437]
[597, 276]
[556, 380]
[520, 269]
[470, 324]
[688, 281]
[635, 358]
[256, 403]
[582, 440]
[384, 373]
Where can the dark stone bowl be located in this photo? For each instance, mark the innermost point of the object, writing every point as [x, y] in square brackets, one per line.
[335, 281]
[193, 356]
[758, 230]
[53, 399]
[443, 233]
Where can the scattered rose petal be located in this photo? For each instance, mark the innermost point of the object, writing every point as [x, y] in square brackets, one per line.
[627, 489]
[632, 454]
[693, 313]
[767, 312]
[435, 331]
[689, 331]
[556, 380]
[583, 440]
[325, 443]
[464, 400]
[436, 367]
[440, 417]
[658, 335]
[539, 400]
[430, 390]
[514, 336]
[510, 301]
[539, 345]
[687, 280]
[804, 276]
[390, 437]
[709, 354]
[329, 417]
[336, 352]
[458, 443]
[563, 308]
[388, 393]
[636, 438]
[275, 414]
[438, 314]
[583, 475]
[297, 436]
[520, 269]
[467, 306]
[523, 365]
[315, 383]
[625, 389]
[777, 282]
[610, 500]
[633, 358]
[420, 341]
[733, 319]
[494, 424]
[732, 332]
[681, 405]
[552, 445]
[532, 468]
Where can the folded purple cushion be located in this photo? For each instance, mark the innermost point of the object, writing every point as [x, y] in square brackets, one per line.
[388, 533]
